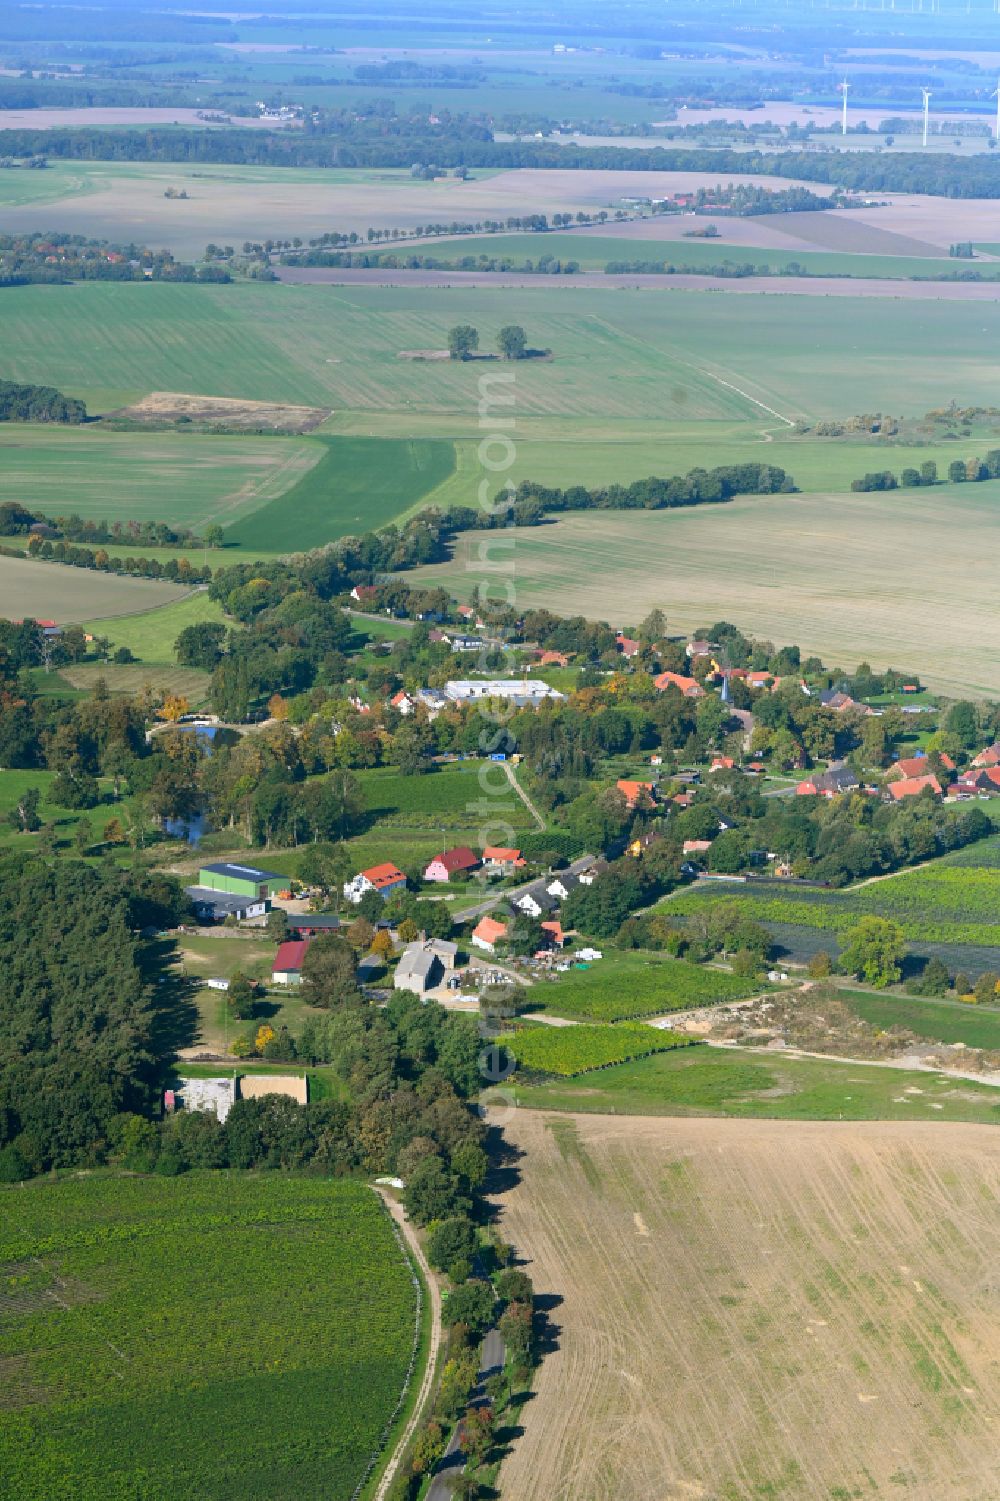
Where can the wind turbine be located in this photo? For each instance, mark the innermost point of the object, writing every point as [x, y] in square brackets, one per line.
[996, 95]
[927, 105]
[844, 88]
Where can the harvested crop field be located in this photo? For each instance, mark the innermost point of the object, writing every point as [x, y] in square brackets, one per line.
[223, 411]
[122, 201]
[826, 571]
[758, 1310]
[51, 591]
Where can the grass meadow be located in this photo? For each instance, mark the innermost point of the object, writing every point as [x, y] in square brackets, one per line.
[141, 1327]
[150, 635]
[739, 1082]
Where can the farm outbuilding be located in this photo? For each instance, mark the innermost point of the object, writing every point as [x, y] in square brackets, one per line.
[241, 880]
[287, 968]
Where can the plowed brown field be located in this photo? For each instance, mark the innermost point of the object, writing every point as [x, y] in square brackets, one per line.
[759, 1310]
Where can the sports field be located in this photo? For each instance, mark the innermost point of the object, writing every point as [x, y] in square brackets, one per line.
[850, 577]
[138, 1354]
[619, 359]
[717, 1285]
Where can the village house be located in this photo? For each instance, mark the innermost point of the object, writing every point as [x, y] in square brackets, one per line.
[554, 935]
[837, 778]
[385, 879]
[364, 594]
[627, 646]
[552, 659]
[636, 794]
[917, 766]
[451, 863]
[422, 965]
[913, 787]
[834, 699]
[402, 702]
[487, 933]
[536, 900]
[689, 687]
[498, 857]
[988, 757]
[696, 846]
[287, 967]
[563, 884]
[700, 648]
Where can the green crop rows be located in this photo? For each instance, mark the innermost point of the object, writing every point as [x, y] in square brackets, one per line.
[578, 1050]
[358, 485]
[215, 1335]
[939, 904]
[625, 986]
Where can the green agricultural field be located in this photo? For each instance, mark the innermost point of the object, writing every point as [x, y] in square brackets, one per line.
[594, 251]
[825, 571]
[936, 1020]
[150, 635]
[579, 1050]
[937, 904]
[618, 357]
[623, 985]
[359, 484]
[136, 1336]
[188, 480]
[735, 1081]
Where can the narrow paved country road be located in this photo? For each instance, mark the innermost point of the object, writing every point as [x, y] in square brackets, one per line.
[491, 1361]
[508, 895]
[427, 1381]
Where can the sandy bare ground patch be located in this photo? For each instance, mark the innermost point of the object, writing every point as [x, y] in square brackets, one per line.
[235, 414]
[759, 1308]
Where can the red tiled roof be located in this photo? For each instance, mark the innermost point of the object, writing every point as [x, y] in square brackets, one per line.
[489, 930]
[383, 875]
[290, 955]
[913, 786]
[457, 859]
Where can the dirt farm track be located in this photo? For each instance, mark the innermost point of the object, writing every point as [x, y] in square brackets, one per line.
[759, 1309]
